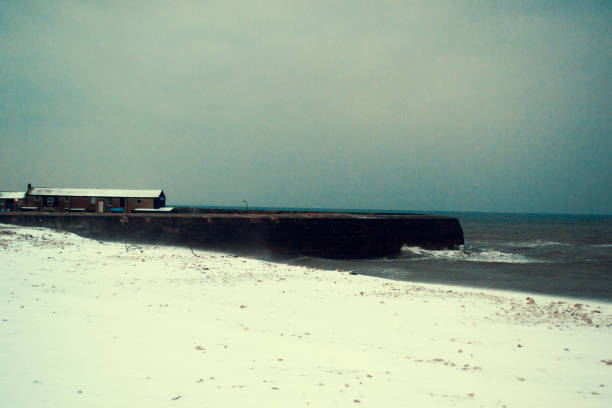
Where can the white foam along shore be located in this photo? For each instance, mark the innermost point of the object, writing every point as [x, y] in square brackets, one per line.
[92, 324]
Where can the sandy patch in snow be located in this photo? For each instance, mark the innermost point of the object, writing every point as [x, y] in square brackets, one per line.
[86, 323]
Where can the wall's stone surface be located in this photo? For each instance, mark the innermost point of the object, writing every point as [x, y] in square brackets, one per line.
[317, 234]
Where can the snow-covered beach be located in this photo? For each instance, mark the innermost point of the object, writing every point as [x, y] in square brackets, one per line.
[97, 324]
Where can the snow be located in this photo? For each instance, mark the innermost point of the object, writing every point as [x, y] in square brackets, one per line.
[11, 195]
[94, 192]
[160, 209]
[98, 324]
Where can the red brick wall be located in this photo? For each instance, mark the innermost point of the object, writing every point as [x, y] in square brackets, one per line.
[64, 203]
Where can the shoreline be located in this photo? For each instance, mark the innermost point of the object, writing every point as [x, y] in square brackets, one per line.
[98, 323]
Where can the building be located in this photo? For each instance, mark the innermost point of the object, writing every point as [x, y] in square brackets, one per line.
[93, 200]
[11, 201]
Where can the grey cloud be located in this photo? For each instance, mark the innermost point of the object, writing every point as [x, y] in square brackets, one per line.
[422, 105]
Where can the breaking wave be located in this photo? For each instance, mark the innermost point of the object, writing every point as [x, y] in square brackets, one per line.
[465, 254]
[536, 243]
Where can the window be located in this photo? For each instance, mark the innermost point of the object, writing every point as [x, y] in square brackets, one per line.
[109, 202]
[93, 200]
[139, 201]
[49, 202]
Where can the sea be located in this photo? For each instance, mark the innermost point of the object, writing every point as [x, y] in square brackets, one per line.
[566, 255]
[553, 254]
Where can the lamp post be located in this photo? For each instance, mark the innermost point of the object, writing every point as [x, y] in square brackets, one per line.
[247, 204]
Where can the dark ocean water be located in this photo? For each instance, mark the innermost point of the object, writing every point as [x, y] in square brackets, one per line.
[568, 255]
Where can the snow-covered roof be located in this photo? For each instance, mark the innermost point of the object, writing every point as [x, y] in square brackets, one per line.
[11, 195]
[94, 192]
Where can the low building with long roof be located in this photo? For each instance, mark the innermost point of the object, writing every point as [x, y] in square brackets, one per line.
[11, 200]
[93, 199]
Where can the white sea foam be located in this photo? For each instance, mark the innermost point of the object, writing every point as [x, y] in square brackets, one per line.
[501, 257]
[536, 243]
[462, 254]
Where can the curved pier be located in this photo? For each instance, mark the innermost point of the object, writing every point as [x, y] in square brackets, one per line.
[281, 233]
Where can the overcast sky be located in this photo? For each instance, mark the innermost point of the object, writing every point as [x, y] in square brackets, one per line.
[409, 105]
